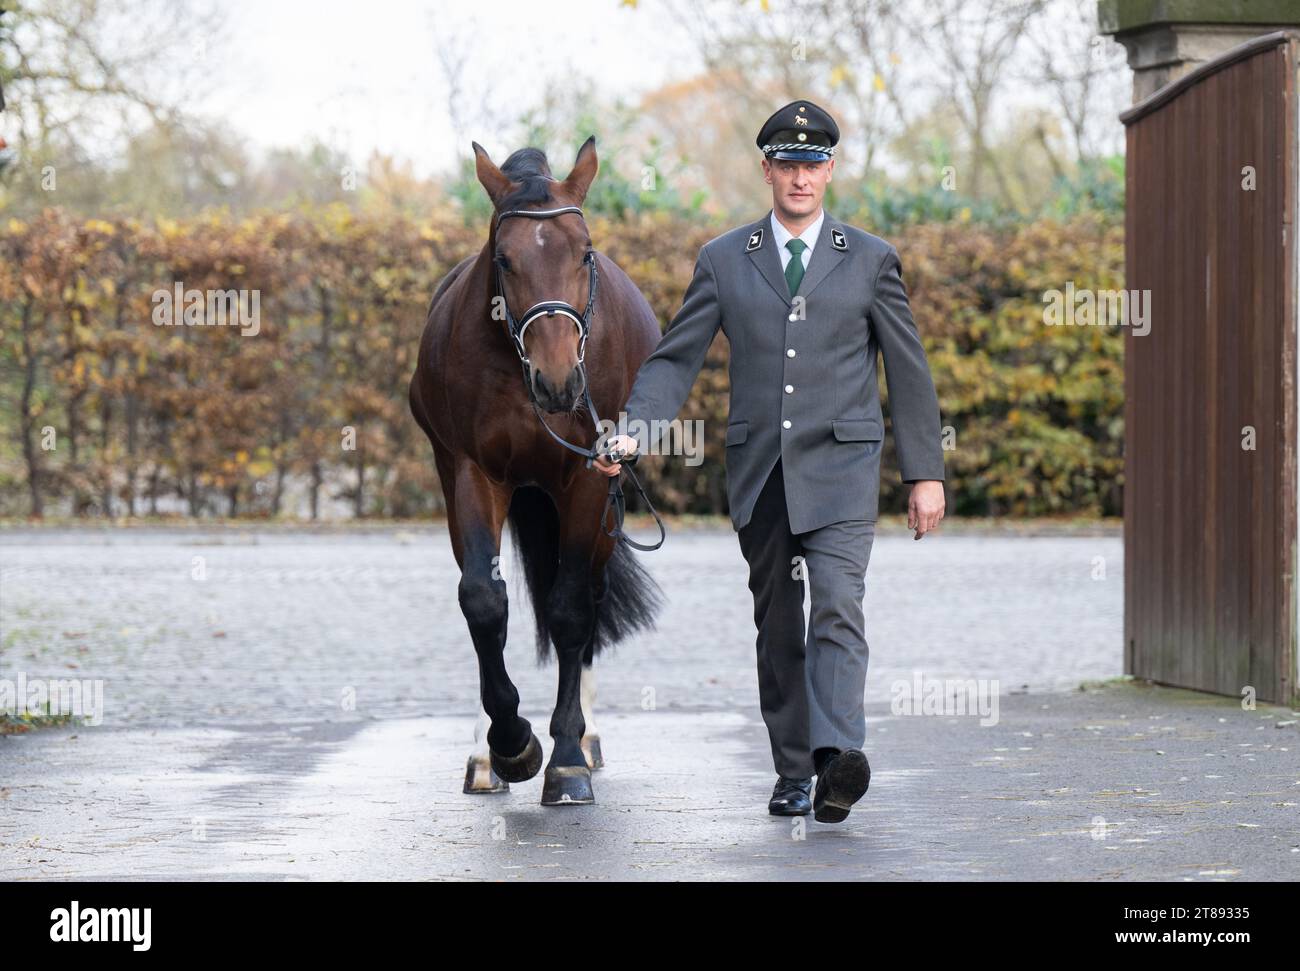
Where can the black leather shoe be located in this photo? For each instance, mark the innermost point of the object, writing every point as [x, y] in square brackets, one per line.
[843, 782]
[790, 797]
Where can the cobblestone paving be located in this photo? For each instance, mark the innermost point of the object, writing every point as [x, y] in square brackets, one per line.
[283, 627]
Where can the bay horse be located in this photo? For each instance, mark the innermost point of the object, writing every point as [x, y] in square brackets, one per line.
[487, 386]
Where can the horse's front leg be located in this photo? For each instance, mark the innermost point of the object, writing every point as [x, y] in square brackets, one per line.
[476, 518]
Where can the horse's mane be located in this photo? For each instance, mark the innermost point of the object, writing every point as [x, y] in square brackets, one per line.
[527, 166]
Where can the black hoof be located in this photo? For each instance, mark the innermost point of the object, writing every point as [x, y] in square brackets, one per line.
[480, 779]
[591, 750]
[521, 767]
[567, 785]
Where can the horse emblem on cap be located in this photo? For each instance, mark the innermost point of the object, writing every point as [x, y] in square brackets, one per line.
[800, 120]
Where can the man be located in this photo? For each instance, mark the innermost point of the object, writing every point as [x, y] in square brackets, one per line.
[806, 303]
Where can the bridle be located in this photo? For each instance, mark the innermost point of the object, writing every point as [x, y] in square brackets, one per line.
[549, 308]
[581, 320]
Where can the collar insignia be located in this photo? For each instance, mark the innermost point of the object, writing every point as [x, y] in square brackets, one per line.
[839, 240]
[755, 241]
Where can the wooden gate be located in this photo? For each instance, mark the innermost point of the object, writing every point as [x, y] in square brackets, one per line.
[1210, 493]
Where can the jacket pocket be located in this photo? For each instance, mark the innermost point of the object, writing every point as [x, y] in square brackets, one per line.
[857, 429]
[737, 432]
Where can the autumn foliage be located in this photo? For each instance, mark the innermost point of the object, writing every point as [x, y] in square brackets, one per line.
[106, 413]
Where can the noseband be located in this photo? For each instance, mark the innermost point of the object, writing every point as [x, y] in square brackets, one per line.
[582, 320]
[549, 308]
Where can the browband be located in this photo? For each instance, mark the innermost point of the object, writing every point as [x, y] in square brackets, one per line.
[538, 213]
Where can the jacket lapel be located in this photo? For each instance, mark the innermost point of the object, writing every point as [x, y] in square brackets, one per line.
[766, 258]
[825, 256]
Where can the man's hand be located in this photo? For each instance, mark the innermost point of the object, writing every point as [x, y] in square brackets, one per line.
[925, 506]
[624, 444]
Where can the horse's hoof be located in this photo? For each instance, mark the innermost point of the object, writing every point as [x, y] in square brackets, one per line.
[567, 785]
[521, 767]
[480, 779]
[591, 750]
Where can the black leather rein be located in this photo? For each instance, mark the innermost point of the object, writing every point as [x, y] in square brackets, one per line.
[582, 320]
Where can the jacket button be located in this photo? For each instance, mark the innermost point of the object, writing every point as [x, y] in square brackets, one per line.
[793, 317]
[789, 389]
[790, 352]
[786, 423]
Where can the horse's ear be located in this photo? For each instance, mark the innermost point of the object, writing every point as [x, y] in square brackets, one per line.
[584, 170]
[494, 181]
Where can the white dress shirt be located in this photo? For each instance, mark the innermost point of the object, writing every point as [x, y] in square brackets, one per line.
[782, 236]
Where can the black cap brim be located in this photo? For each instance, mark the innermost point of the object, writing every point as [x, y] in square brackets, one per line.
[800, 155]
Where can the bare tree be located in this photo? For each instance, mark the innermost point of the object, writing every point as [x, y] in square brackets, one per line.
[975, 43]
[1085, 73]
[81, 75]
[896, 69]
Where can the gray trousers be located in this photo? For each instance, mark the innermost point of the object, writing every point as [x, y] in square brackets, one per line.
[811, 685]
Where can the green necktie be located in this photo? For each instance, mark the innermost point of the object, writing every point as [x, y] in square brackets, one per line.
[794, 269]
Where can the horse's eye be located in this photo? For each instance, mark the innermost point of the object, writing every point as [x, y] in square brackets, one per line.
[502, 262]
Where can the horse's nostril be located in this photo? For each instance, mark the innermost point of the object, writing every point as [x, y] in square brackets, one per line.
[548, 395]
[554, 397]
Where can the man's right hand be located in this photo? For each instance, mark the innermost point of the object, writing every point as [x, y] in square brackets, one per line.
[624, 444]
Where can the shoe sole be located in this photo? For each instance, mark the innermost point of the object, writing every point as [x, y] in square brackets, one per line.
[845, 783]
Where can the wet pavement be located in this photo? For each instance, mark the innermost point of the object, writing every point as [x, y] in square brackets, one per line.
[284, 705]
[1125, 782]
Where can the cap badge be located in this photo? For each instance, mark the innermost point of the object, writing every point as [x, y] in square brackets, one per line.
[755, 241]
[800, 120]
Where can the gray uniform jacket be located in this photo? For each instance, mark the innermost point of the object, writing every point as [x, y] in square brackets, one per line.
[803, 372]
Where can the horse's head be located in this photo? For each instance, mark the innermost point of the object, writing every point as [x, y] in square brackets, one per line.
[543, 261]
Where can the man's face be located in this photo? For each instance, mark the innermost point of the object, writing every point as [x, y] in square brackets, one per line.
[797, 187]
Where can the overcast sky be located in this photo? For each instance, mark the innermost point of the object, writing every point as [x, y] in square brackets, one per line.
[365, 76]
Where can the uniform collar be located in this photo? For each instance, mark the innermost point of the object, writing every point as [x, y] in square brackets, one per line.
[781, 235]
[760, 245]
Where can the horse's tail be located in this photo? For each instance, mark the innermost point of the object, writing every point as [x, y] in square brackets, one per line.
[631, 599]
[535, 527]
[631, 602]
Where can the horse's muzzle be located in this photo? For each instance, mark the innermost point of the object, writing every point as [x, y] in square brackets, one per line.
[560, 398]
